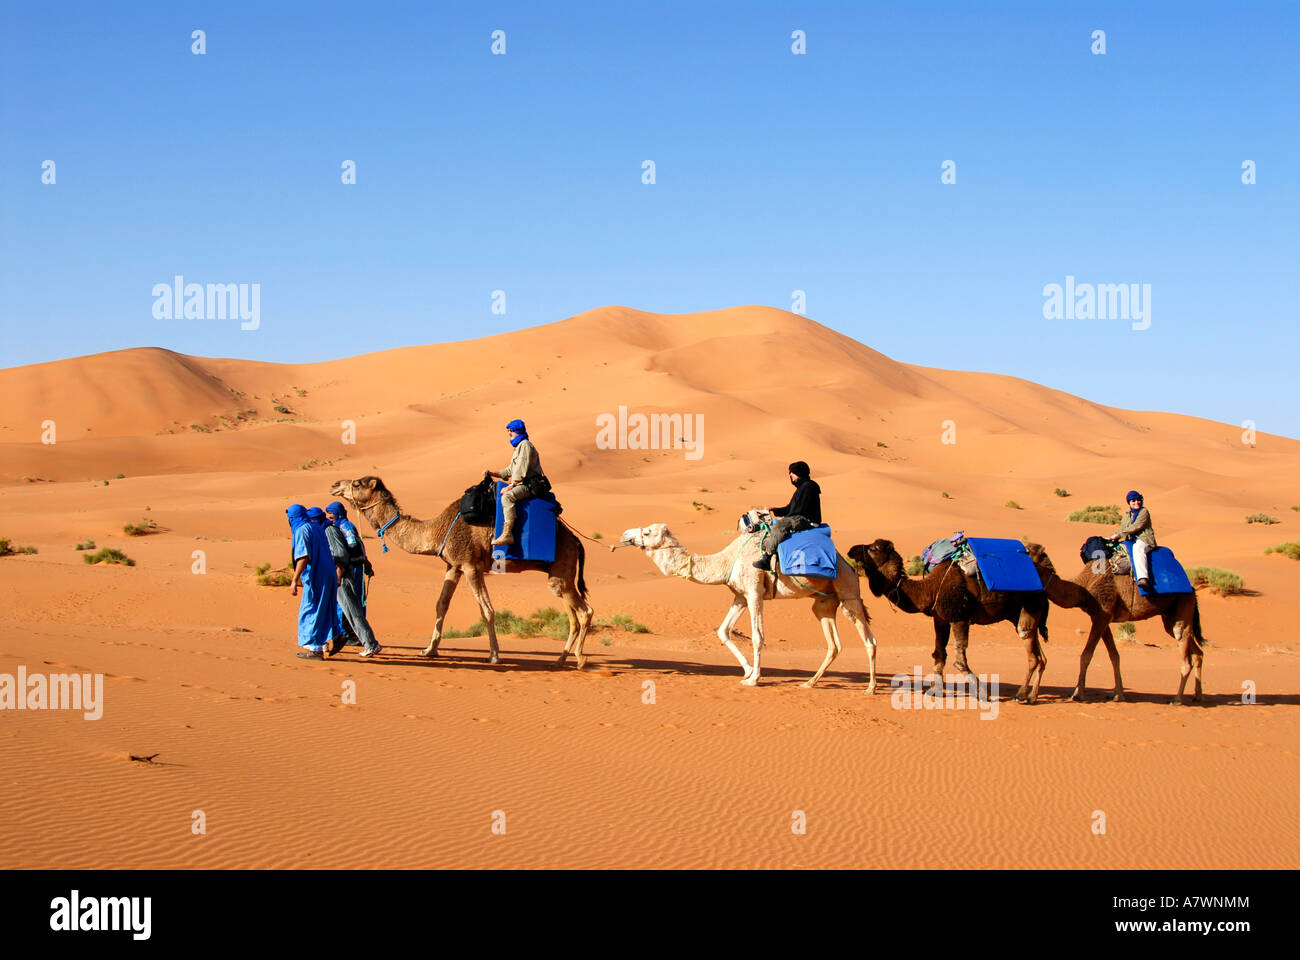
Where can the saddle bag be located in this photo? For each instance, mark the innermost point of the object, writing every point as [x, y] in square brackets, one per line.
[478, 507]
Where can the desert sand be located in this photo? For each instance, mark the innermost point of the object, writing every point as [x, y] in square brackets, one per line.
[200, 670]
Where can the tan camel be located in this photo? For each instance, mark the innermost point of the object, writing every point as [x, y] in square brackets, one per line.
[733, 566]
[1110, 598]
[954, 600]
[466, 551]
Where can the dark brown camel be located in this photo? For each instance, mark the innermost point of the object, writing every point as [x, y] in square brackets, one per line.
[1110, 598]
[467, 551]
[954, 601]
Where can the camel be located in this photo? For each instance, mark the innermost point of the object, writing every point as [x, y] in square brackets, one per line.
[466, 551]
[1109, 598]
[954, 601]
[733, 566]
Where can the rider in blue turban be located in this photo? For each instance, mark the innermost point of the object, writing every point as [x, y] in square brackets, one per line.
[314, 572]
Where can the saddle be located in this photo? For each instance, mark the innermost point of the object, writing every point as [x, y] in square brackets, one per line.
[1099, 548]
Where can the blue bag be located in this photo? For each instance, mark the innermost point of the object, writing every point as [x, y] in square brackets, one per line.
[809, 553]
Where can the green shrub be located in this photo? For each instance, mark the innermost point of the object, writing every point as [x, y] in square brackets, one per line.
[88, 545]
[281, 408]
[266, 577]
[1126, 631]
[141, 529]
[1061, 492]
[944, 494]
[915, 566]
[624, 621]
[7, 549]
[1012, 505]
[108, 555]
[1223, 582]
[1096, 513]
[598, 536]
[1290, 549]
[1262, 518]
[199, 428]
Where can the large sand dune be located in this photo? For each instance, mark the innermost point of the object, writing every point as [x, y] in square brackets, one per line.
[200, 668]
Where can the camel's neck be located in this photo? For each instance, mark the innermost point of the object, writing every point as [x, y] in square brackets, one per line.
[1063, 593]
[902, 593]
[406, 532]
[674, 560]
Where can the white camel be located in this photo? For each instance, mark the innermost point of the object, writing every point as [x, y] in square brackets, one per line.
[733, 566]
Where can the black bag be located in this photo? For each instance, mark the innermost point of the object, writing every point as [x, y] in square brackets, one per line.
[540, 487]
[1094, 546]
[478, 507]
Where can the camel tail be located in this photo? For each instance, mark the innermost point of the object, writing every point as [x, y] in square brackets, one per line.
[1042, 624]
[582, 564]
[1196, 629]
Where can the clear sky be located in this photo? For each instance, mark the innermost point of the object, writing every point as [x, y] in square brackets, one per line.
[774, 172]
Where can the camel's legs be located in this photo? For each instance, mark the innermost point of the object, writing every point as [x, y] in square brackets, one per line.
[579, 613]
[824, 609]
[756, 621]
[1118, 693]
[961, 631]
[1085, 658]
[856, 611]
[724, 632]
[1037, 664]
[942, 629]
[449, 581]
[1192, 658]
[476, 584]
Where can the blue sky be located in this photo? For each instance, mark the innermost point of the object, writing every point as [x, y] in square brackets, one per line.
[774, 173]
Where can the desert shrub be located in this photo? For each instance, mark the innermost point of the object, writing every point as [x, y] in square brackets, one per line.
[281, 408]
[1096, 513]
[915, 566]
[944, 494]
[598, 536]
[1012, 505]
[199, 428]
[1296, 507]
[1262, 518]
[266, 577]
[8, 549]
[108, 555]
[120, 476]
[88, 545]
[700, 506]
[624, 621]
[1223, 582]
[1290, 549]
[1126, 631]
[141, 529]
[1061, 492]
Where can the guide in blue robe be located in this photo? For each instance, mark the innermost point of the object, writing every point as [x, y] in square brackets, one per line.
[317, 614]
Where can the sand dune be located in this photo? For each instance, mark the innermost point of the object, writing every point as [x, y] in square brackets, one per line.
[200, 668]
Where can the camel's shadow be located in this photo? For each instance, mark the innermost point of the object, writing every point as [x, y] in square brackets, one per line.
[543, 661]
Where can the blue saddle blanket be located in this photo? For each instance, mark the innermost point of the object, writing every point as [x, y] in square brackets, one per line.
[1004, 564]
[1167, 573]
[809, 553]
[534, 530]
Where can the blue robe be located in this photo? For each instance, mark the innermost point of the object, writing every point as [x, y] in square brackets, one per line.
[318, 612]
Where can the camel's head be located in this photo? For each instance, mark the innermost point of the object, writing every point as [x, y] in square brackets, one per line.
[653, 537]
[362, 493]
[878, 555]
[750, 519]
[1038, 555]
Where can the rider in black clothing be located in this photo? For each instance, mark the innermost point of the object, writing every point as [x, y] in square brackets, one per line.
[803, 512]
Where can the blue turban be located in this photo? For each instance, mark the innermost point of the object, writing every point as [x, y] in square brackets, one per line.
[1133, 495]
[316, 515]
[297, 515]
[340, 512]
[518, 427]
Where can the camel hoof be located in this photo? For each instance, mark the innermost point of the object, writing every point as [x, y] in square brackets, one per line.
[494, 659]
[429, 652]
[559, 661]
[808, 684]
[870, 689]
[1177, 702]
[749, 681]
[1077, 697]
[582, 662]
[1118, 698]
